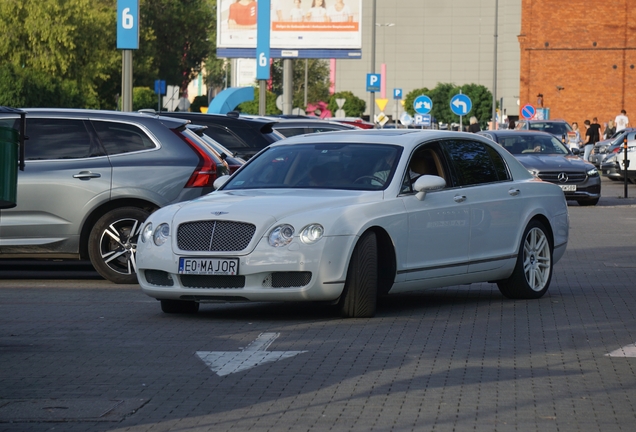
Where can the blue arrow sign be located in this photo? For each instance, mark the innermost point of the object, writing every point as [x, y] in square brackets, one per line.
[528, 111]
[461, 104]
[423, 104]
[397, 93]
[373, 82]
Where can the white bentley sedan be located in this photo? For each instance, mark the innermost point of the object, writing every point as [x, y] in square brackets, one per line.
[345, 217]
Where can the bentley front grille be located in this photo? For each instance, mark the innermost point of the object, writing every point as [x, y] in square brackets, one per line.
[214, 236]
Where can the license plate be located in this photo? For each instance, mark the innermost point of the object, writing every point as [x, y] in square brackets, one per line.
[209, 266]
[568, 188]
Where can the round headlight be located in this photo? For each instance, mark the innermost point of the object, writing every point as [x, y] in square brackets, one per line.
[161, 235]
[146, 233]
[281, 235]
[311, 233]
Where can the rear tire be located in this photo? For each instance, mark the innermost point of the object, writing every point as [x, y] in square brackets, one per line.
[179, 306]
[112, 244]
[533, 270]
[360, 295]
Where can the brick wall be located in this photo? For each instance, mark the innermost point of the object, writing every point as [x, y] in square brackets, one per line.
[587, 48]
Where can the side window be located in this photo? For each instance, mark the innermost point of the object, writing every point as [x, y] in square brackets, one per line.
[426, 160]
[473, 162]
[226, 138]
[57, 138]
[118, 138]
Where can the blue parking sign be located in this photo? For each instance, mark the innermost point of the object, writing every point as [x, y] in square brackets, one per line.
[397, 93]
[373, 82]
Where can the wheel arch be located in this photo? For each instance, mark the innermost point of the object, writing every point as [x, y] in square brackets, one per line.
[546, 223]
[387, 261]
[100, 211]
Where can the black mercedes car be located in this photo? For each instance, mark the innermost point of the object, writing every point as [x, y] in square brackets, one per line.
[548, 159]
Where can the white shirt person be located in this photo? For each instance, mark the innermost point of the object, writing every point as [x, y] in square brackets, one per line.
[339, 12]
[317, 12]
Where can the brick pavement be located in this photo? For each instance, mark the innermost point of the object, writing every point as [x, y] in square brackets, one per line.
[452, 359]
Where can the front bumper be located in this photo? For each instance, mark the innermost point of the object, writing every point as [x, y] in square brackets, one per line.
[297, 272]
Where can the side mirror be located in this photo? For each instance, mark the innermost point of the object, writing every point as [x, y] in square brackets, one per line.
[427, 183]
[576, 151]
[220, 181]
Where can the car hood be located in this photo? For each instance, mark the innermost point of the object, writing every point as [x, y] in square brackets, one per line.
[263, 207]
[554, 162]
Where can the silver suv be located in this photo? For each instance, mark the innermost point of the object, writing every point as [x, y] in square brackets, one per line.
[92, 177]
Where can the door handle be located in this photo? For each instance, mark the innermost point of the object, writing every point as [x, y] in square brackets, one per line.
[514, 192]
[85, 175]
[459, 198]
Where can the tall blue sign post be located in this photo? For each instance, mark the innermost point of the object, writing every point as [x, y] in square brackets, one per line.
[263, 24]
[460, 105]
[127, 40]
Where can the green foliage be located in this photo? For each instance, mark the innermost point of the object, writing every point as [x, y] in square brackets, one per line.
[143, 98]
[21, 88]
[198, 102]
[251, 107]
[444, 92]
[353, 106]
[317, 81]
[181, 42]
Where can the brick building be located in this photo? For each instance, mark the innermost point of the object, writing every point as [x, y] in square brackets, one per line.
[581, 55]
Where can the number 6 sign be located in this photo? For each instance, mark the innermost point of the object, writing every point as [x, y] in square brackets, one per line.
[127, 24]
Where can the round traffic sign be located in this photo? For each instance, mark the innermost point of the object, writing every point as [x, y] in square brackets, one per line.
[423, 104]
[406, 119]
[528, 111]
[461, 104]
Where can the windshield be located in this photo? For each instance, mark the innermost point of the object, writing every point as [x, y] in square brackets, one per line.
[534, 144]
[554, 128]
[320, 166]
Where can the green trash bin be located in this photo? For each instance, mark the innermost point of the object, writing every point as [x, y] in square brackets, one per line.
[9, 144]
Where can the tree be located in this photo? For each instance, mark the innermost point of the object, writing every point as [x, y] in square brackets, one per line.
[144, 98]
[252, 107]
[317, 81]
[181, 43]
[353, 106]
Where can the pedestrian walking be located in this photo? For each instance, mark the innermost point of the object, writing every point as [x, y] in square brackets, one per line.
[610, 130]
[622, 121]
[575, 141]
[474, 125]
[592, 136]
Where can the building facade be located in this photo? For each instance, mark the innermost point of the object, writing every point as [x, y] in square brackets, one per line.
[426, 42]
[581, 56]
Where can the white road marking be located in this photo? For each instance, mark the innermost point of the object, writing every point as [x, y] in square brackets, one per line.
[626, 351]
[255, 354]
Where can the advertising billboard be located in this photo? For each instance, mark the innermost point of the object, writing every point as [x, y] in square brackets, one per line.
[295, 24]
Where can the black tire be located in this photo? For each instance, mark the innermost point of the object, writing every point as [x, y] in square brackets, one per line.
[179, 306]
[360, 295]
[590, 202]
[533, 270]
[112, 244]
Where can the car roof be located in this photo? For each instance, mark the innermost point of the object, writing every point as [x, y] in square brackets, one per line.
[220, 118]
[504, 132]
[407, 138]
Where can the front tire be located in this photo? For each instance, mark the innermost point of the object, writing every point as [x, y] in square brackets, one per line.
[360, 295]
[533, 270]
[112, 244]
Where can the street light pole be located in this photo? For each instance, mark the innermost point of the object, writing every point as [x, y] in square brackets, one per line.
[372, 98]
[494, 67]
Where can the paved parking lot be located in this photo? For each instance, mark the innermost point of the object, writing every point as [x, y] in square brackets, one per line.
[82, 354]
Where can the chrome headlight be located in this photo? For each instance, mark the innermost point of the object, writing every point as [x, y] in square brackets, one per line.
[311, 233]
[593, 172]
[281, 235]
[161, 235]
[146, 233]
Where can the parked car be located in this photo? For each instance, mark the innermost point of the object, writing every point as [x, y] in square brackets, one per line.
[243, 136]
[558, 128]
[613, 166]
[611, 145]
[344, 217]
[300, 125]
[231, 159]
[91, 179]
[548, 159]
